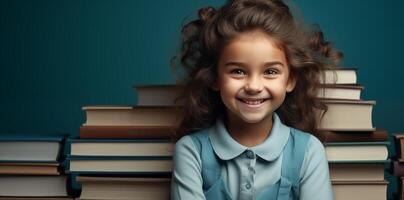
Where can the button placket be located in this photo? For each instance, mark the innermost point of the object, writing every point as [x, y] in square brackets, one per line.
[247, 190]
[248, 186]
[250, 154]
[249, 183]
[252, 174]
[251, 166]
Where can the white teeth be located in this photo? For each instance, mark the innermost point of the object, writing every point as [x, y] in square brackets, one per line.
[253, 102]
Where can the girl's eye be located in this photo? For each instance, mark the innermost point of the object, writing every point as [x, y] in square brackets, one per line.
[270, 72]
[237, 72]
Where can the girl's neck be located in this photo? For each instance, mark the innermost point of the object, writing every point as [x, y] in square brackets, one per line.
[249, 134]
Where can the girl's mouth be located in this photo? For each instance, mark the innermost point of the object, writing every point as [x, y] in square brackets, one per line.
[253, 103]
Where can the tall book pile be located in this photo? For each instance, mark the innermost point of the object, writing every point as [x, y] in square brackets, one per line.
[29, 168]
[357, 152]
[125, 152]
[398, 164]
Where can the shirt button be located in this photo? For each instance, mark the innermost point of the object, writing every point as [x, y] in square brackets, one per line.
[250, 154]
[248, 186]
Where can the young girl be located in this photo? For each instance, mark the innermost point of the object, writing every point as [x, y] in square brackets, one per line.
[250, 96]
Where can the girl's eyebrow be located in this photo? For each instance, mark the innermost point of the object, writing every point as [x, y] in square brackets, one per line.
[230, 63]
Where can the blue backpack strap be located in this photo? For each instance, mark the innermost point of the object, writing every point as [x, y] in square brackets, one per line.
[211, 170]
[292, 162]
[213, 185]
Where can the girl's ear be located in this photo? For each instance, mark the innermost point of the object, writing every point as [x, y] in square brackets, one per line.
[290, 85]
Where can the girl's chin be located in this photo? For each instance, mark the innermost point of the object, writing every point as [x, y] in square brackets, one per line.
[255, 119]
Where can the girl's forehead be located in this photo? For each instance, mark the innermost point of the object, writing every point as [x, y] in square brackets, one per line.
[253, 47]
[256, 34]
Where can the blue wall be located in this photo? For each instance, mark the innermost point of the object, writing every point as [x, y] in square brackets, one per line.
[57, 56]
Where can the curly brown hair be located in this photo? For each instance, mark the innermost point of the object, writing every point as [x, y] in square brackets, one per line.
[307, 54]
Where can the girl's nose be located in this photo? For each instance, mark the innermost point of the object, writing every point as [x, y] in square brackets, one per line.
[254, 85]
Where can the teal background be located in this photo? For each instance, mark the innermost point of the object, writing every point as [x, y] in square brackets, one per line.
[57, 56]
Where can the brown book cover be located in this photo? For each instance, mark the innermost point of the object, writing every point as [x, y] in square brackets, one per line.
[401, 188]
[353, 136]
[398, 168]
[127, 132]
[346, 86]
[29, 168]
[399, 144]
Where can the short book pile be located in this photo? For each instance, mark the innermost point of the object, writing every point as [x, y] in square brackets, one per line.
[125, 152]
[29, 168]
[357, 152]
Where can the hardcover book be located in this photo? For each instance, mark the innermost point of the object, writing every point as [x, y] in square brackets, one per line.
[398, 168]
[379, 135]
[120, 164]
[336, 91]
[345, 115]
[132, 116]
[399, 143]
[108, 147]
[36, 198]
[127, 132]
[27, 168]
[356, 151]
[340, 76]
[357, 171]
[30, 149]
[360, 190]
[124, 188]
[33, 186]
[401, 188]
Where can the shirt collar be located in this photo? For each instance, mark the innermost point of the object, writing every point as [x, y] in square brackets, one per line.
[227, 148]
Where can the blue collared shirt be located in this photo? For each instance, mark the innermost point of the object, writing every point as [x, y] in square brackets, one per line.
[244, 177]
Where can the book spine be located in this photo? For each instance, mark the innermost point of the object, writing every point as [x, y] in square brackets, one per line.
[117, 141]
[124, 133]
[354, 137]
[398, 168]
[401, 146]
[6, 138]
[385, 143]
[115, 158]
[120, 174]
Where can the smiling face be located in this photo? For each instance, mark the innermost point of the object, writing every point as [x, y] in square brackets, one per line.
[253, 78]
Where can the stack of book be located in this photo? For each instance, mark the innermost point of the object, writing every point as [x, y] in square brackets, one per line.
[126, 151]
[398, 163]
[29, 168]
[356, 151]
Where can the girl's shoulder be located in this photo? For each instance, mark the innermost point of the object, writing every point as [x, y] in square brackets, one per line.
[313, 143]
[197, 134]
[194, 139]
